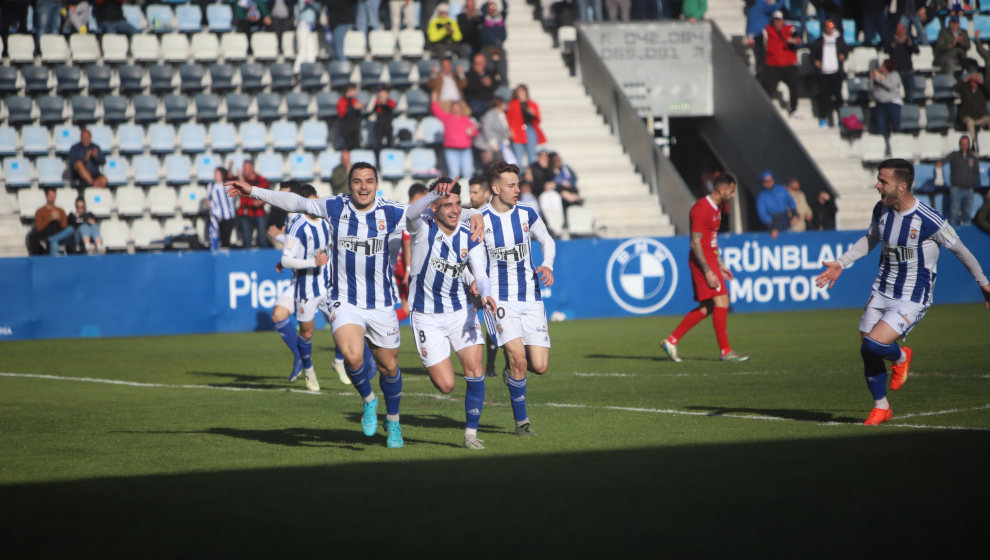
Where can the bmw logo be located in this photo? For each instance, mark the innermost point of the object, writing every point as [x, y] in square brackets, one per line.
[641, 275]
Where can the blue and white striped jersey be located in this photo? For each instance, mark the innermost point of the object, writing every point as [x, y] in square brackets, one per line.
[438, 261]
[221, 205]
[304, 239]
[510, 263]
[910, 243]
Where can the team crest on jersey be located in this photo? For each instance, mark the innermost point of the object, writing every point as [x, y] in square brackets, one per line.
[641, 275]
[499, 328]
[381, 225]
[914, 233]
[525, 227]
[423, 351]
[464, 253]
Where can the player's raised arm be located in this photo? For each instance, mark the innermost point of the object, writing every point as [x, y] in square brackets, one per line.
[968, 260]
[287, 201]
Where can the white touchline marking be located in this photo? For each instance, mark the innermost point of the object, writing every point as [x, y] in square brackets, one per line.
[440, 396]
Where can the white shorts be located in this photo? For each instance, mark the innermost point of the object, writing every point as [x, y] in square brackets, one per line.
[306, 308]
[902, 316]
[436, 333]
[381, 326]
[287, 298]
[519, 319]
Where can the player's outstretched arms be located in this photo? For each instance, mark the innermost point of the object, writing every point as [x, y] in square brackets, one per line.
[238, 188]
[546, 275]
[986, 295]
[832, 272]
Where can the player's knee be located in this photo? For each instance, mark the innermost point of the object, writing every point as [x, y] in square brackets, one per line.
[539, 367]
[280, 314]
[444, 386]
[518, 363]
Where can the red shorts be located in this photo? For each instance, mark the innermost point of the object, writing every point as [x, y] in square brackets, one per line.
[701, 290]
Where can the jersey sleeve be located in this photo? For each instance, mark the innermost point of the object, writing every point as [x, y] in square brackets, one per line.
[539, 232]
[291, 202]
[479, 261]
[292, 254]
[946, 236]
[415, 213]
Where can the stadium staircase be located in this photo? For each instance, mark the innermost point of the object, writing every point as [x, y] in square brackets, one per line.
[11, 232]
[607, 180]
[838, 159]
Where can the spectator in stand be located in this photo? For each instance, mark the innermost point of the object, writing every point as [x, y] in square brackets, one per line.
[963, 176]
[805, 216]
[349, 117]
[885, 88]
[283, 17]
[874, 22]
[493, 133]
[973, 94]
[448, 83]
[48, 18]
[85, 159]
[565, 180]
[401, 10]
[110, 16]
[469, 22]
[982, 218]
[523, 116]
[384, 110]
[781, 47]
[775, 206]
[338, 178]
[825, 212]
[307, 19]
[87, 231]
[590, 10]
[479, 86]
[251, 15]
[551, 201]
[694, 10]
[828, 54]
[459, 129]
[911, 13]
[444, 34]
[341, 15]
[223, 214]
[51, 228]
[526, 195]
[77, 15]
[951, 46]
[493, 36]
[618, 10]
[367, 15]
[984, 54]
[540, 172]
[251, 214]
[901, 48]
[758, 17]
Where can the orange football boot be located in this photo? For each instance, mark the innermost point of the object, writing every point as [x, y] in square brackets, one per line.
[878, 416]
[899, 372]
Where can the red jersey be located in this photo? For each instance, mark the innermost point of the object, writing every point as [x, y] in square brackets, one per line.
[706, 219]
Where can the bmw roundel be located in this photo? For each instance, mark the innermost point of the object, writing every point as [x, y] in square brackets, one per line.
[641, 275]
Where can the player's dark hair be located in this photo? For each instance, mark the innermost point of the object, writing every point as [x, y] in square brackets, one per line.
[304, 190]
[291, 185]
[224, 173]
[724, 179]
[903, 170]
[417, 188]
[500, 167]
[456, 189]
[361, 165]
[47, 189]
[479, 180]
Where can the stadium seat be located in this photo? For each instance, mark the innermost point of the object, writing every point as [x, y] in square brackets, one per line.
[297, 106]
[937, 117]
[69, 79]
[130, 139]
[236, 160]
[54, 49]
[910, 118]
[904, 146]
[162, 78]
[85, 49]
[17, 172]
[858, 90]
[340, 73]
[162, 201]
[238, 107]
[100, 202]
[311, 75]
[917, 84]
[19, 110]
[145, 170]
[115, 170]
[234, 46]
[115, 234]
[98, 79]
[223, 137]
[253, 137]
[371, 74]
[554, 220]
[282, 77]
[315, 135]
[204, 165]
[145, 48]
[177, 226]
[221, 78]
[381, 43]
[942, 85]
[189, 18]
[931, 147]
[161, 138]
[8, 142]
[178, 170]
[37, 80]
[398, 73]
[430, 131]
[207, 108]
[192, 200]
[392, 164]
[35, 140]
[364, 156]
[270, 166]
[874, 148]
[205, 47]
[8, 80]
[192, 138]
[131, 78]
[326, 105]
[423, 163]
[404, 132]
[269, 106]
[130, 201]
[219, 18]
[51, 110]
[191, 78]
[252, 76]
[289, 44]
[51, 171]
[933, 28]
[20, 48]
[264, 45]
[411, 43]
[176, 108]
[284, 136]
[301, 165]
[102, 136]
[581, 221]
[83, 109]
[417, 103]
[28, 202]
[161, 18]
[328, 159]
[849, 33]
[862, 60]
[65, 136]
[355, 45]
[115, 48]
[424, 68]
[147, 234]
[115, 109]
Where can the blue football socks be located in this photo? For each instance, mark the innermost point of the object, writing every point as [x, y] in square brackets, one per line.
[305, 351]
[474, 401]
[360, 381]
[288, 333]
[874, 368]
[517, 394]
[392, 389]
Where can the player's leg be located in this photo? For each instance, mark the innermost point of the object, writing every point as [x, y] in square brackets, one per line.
[720, 319]
[703, 295]
[348, 328]
[516, 380]
[434, 350]
[879, 342]
[306, 330]
[280, 317]
[474, 396]
[383, 339]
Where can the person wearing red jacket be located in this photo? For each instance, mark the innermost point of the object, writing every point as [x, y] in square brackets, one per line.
[523, 116]
[781, 46]
[349, 110]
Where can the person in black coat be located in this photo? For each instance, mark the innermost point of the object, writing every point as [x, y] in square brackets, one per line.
[901, 48]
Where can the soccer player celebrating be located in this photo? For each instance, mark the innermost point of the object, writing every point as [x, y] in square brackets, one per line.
[910, 233]
[708, 273]
[520, 321]
[442, 315]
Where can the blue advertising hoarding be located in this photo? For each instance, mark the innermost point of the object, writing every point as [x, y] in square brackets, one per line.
[200, 292]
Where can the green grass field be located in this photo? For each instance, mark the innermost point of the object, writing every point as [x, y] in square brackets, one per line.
[196, 446]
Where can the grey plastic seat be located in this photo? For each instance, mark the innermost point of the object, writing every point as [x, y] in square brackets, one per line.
[297, 106]
[69, 80]
[131, 78]
[115, 109]
[326, 104]
[238, 105]
[268, 106]
[161, 78]
[19, 110]
[176, 108]
[282, 78]
[207, 108]
[83, 109]
[145, 109]
[36, 80]
[311, 75]
[191, 78]
[51, 109]
[221, 78]
[252, 76]
[98, 78]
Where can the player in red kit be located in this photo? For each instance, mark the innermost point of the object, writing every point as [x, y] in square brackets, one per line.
[708, 273]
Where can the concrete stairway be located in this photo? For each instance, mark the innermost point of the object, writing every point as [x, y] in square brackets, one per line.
[606, 177]
[11, 231]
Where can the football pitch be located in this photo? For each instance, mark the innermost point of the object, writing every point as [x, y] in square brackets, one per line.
[194, 446]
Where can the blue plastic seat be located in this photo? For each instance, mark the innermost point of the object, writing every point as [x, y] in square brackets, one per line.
[392, 164]
[8, 141]
[192, 138]
[364, 156]
[417, 103]
[178, 170]
[205, 165]
[223, 137]
[161, 138]
[145, 170]
[301, 165]
[219, 17]
[314, 135]
[329, 159]
[423, 163]
[51, 171]
[408, 126]
[270, 166]
[35, 140]
[189, 18]
[431, 131]
[130, 139]
[17, 171]
[253, 137]
[284, 136]
[102, 136]
[160, 18]
[65, 136]
[115, 170]
[937, 117]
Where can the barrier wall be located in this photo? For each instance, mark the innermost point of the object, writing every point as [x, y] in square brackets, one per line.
[200, 292]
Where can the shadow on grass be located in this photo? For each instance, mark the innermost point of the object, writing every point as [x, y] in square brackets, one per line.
[786, 413]
[803, 498]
